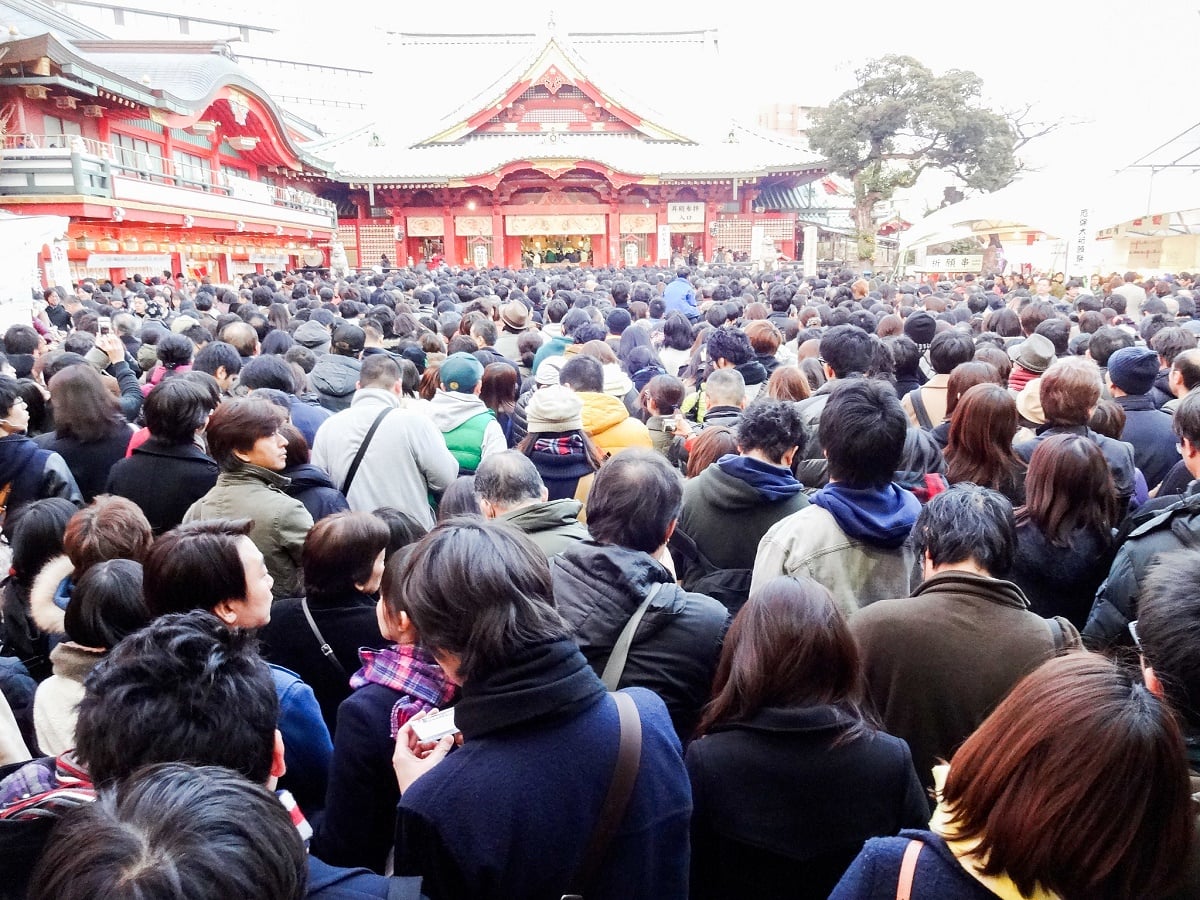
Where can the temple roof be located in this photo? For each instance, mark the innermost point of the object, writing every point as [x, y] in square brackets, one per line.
[651, 105]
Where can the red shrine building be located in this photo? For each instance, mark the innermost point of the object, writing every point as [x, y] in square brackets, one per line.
[550, 157]
[172, 156]
[165, 157]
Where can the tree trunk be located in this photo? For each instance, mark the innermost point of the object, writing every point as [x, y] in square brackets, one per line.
[864, 227]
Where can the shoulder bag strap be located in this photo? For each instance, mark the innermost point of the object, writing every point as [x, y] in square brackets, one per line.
[918, 405]
[326, 650]
[1058, 634]
[615, 667]
[362, 449]
[616, 801]
[908, 869]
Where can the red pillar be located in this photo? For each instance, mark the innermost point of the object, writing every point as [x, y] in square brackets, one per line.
[606, 248]
[449, 238]
[499, 254]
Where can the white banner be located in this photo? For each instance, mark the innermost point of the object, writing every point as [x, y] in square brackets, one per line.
[685, 213]
[269, 259]
[1080, 242]
[59, 270]
[972, 262]
[128, 260]
[664, 243]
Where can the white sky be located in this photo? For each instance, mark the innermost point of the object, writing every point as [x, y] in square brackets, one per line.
[1122, 69]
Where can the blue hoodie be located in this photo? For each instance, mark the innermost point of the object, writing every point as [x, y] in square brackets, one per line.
[881, 517]
[771, 482]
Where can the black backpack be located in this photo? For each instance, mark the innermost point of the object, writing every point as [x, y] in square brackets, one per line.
[729, 587]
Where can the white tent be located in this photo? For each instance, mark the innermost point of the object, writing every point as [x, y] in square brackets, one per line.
[21, 241]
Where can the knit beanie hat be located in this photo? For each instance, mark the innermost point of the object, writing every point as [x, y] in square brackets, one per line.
[555, 409]
[547, 373]
[920, 328]
[1133, 369]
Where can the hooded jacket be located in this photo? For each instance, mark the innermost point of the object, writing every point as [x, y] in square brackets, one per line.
[312, 486]
[335, 378]
[553, 525]
[598, 587]
[452, 412]
[728, 508]
[34, 473]
[857, 546]
[608, 423]
[938, 662]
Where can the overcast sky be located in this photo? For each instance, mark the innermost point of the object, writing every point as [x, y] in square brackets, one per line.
[1122, 69]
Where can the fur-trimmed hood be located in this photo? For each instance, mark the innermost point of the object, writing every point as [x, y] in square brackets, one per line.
[46, 614]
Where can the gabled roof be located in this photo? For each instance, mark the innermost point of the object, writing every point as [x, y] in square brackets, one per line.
[699, 138]
[554, 63]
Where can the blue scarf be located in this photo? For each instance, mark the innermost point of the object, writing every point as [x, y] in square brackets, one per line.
[881, 517]
[772, 482]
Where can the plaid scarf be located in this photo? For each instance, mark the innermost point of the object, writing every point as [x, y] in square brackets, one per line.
[45, 788]
[566, 445]
[409, 670]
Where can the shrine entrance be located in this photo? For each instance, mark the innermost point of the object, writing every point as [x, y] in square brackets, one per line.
[552, 249]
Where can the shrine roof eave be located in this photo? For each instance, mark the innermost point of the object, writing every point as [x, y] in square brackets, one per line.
[186, 97]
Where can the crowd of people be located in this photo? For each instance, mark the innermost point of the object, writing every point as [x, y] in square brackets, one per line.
[735, 584]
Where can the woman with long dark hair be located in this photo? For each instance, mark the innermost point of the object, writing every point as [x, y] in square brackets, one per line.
[1065, 529]
[964, 377]
[789, 774]
[980, 446]
[90, 432]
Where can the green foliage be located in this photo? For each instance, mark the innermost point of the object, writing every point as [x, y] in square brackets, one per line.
[902, 119]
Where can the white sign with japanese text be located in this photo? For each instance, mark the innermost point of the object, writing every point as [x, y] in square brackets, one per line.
[685, 213]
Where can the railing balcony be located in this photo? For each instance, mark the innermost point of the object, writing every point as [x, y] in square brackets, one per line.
[69, 164]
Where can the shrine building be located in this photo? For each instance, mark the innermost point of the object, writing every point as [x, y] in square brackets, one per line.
[552, 155]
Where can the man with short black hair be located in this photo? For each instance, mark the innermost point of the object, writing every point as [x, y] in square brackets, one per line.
[511, 490]
[729, 506]
[853, 537]
[600, 585]
[273, 372]
[926, 406]
[938, 662]
[846, 351]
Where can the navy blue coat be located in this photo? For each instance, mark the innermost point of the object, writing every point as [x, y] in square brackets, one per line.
[508, 814]
[874, 875]
[1149, 431]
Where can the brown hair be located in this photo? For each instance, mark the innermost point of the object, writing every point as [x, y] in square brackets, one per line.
[789, 646]
[84, 408]
[600, 351]
[997, 358]
[964, 377]
[1068, 487]
[498, 388]
[788, 383]
[764, 337]
[107, 528]
[236, 425]
[713, 443]
[979, 449]
[1070, 390]
[298, 451]
[339, 553]
[1077, 783]
[430, 382]
[666, 391]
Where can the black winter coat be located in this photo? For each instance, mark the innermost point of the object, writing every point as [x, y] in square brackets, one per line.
[1060, 581]
[598, 587]
[779, 810]
[89, 461]
[347, 624]
[1149, 431]
[163, 480]
[312, 486]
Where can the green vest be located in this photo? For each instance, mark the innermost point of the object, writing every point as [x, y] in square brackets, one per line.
[465, 442]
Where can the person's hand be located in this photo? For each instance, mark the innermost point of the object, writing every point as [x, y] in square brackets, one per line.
[412, 758]
[111, 344]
